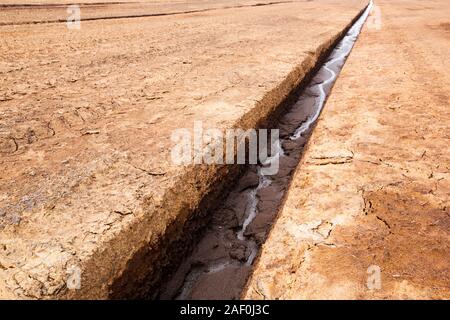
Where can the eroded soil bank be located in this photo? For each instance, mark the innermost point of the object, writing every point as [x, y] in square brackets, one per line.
[220, 264]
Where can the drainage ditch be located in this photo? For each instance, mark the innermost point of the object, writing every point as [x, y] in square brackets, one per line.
[219, 265]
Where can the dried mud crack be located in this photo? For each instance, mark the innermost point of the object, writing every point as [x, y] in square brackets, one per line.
[221, 262]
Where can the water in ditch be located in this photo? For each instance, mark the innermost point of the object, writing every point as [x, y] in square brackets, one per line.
[221, 262]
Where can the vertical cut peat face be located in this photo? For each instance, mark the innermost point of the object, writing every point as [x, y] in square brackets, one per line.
[221, 262]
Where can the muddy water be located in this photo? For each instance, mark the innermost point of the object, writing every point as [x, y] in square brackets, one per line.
[220, 264]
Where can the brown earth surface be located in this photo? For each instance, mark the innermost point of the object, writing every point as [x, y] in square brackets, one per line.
[85, 123]
[373, 186]
[56, 11]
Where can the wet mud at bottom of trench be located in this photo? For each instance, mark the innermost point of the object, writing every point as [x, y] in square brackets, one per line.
[219, 265]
